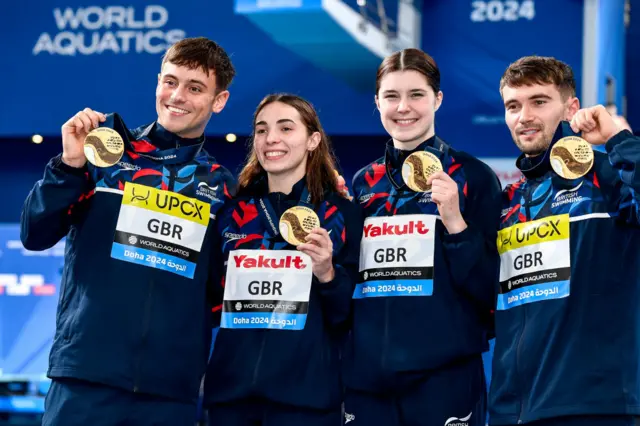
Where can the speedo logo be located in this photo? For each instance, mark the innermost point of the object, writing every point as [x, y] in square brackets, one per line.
[366, 197]
[412, 227]
[230, 236]
[567, 196]
[128, 166]
[262, 261]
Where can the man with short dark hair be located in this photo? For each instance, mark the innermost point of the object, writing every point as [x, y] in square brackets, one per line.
[568, 308]
[133, 325]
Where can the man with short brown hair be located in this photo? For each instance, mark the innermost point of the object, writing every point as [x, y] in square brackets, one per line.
[568, 308]
[133, 327]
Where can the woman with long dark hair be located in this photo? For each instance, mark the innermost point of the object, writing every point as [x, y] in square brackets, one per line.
[290, 242]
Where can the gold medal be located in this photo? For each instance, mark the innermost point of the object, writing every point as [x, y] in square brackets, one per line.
[417, 169]
[571, 157]
[296, 223]
[103, 147]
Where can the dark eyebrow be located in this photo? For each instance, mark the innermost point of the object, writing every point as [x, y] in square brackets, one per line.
[282, 120]
[539, 96]
[535, 96]
[395, 92]
[193, 80]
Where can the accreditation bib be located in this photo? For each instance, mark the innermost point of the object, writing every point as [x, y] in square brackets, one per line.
[396, 256]
[535, 261]
[267, 289]
[160, 229]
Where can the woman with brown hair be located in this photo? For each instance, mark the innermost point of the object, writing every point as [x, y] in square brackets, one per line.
[290, 242]
[422, 313]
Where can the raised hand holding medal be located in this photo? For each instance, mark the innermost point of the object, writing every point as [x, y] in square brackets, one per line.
[596, 124]
[570, 156]
[83, 139]
[422, 172]
[320, 248]
[103, 147]
[444, 192]
[74, 132]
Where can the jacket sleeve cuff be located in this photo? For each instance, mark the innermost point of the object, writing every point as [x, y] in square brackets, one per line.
[460, 237]
[617, 140]
[58, 164]
[335, 282]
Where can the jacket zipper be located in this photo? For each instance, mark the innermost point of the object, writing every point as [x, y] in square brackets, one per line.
[264, 334]
[527, 201]
[385, 342]
[147, 308]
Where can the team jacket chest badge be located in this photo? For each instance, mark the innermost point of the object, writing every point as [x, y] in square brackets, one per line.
[160, 229]
[535, 261]
[396, 256]
[267, 289]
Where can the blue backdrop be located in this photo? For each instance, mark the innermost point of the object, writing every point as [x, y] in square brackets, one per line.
[60, 56]
[632, 57]
[29, 283]
[474, 42]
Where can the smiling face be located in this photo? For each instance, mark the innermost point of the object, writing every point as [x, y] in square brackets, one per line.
[407, 105]
[282, 142]
[533, 112]
[186, 98]
[538, 93]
